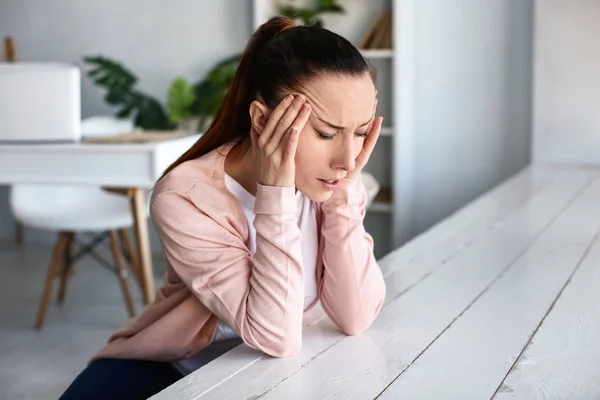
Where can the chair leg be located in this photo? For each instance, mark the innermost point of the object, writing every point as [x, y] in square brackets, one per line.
[133, 261]
[52, 270]
[67, 266]
[122, 272]
[18, 233]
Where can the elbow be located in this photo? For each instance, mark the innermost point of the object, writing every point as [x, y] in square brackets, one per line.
[284, 347]
[353, 328]
[352, 324]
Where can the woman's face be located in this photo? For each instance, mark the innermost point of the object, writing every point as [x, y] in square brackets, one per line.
[343, 111]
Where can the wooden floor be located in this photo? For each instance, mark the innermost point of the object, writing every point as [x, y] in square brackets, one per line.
[40, 365]
[500, 301]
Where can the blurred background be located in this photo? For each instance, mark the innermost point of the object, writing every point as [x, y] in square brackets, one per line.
[472, 91]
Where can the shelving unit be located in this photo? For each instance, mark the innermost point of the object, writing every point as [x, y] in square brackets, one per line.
[455, 108]
[377, 53]
[382, 219]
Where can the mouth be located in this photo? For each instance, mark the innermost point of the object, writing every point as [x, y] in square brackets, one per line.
[330, 183]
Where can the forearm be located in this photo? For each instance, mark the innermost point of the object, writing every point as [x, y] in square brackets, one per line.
[353, 288]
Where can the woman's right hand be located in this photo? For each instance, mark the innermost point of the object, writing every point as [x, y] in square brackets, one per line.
[275, 147]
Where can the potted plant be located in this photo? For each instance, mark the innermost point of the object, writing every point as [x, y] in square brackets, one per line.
[189, 107]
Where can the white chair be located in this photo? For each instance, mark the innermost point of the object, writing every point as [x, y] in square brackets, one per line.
[372, 187]
[72, 209]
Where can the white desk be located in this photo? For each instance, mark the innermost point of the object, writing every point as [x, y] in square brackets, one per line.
[133, 167]
[499, 301]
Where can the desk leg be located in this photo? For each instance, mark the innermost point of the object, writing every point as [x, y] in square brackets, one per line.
[138, 209]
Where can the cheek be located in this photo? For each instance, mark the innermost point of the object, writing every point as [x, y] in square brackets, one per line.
[310, 153]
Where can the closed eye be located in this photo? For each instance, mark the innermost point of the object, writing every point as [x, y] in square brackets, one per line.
[324, 136]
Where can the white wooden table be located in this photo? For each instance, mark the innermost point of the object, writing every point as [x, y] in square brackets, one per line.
[499, 301]
[132, 167]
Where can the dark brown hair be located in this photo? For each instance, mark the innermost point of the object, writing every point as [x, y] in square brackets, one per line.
[279, 57]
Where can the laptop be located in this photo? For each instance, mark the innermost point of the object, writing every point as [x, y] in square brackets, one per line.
[40, 102]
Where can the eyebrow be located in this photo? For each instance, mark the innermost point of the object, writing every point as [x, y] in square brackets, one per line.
[340, 127]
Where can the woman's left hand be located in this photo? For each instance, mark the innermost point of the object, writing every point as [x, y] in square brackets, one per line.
[367, 149]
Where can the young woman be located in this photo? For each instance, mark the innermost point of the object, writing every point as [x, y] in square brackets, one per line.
[260, 219]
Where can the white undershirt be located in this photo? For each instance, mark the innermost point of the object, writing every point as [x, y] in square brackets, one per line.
[307, 222]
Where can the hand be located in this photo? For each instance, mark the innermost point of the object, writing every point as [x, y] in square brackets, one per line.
[368, 146]
[275, 147]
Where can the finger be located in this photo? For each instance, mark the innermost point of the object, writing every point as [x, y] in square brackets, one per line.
[285, 122]
[289, 153]
[298, 123]
[274, 118]
[370, 126]
[370, 142]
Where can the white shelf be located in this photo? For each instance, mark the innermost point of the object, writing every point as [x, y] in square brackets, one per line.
[380, 208]
[383, 201]
[377, 53]
[386, 131]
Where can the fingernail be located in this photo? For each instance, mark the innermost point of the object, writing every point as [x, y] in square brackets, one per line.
[306, 107]
[290, 97]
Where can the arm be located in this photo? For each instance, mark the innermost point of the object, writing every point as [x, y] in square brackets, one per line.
[353, 289]
[259, 297]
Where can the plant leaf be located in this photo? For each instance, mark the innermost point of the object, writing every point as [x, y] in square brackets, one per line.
[179, 100]
[150, 114]
[125, 112]
[211, 91]
[110, 74]
[116, 98]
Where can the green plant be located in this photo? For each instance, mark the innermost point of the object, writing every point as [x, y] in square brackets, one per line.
[211, 90]
[180, 98]
[120, 85]
[184, 100]
[310, 16]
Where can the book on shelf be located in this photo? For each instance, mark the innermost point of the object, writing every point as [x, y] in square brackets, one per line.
[379, 35]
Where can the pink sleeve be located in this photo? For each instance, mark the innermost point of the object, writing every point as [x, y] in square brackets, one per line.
[353, 289]
[259, 297]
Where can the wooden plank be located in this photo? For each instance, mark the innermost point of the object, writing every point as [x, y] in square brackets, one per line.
[463, 228]
[521, 185]
[459, 230]
[562, 361]
[407, 326]
[472, 357]
[322, 338]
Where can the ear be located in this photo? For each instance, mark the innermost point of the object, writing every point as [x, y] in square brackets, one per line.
[259, 114]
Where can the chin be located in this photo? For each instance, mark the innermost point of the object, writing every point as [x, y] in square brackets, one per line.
[321, 197]
[318, 195]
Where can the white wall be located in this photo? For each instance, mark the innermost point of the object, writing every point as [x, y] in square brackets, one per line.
[471, 99]
[156, 39]
[567, 81]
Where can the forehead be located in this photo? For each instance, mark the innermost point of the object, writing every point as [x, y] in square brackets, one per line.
[341, 100]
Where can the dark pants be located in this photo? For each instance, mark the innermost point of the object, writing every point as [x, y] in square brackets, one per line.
[117, 379]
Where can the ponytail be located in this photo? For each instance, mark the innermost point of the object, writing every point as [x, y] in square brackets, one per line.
[232, 120]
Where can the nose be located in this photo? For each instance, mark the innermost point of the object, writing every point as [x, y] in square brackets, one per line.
[345, 157]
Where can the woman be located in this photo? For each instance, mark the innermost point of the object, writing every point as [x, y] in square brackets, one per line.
[260, 219]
